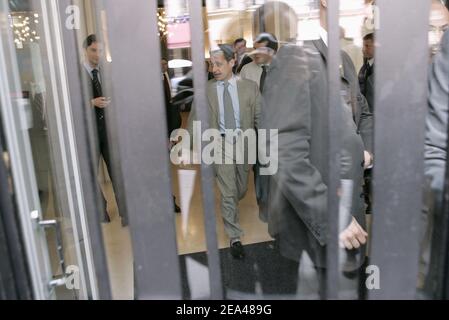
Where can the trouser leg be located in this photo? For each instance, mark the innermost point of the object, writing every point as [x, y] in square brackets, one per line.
[227, 184]
[105, 153]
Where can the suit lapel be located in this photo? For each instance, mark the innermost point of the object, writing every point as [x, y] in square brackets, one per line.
[213, 102]
[321, 47]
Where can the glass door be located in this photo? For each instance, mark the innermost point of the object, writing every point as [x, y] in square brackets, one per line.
[40, 143]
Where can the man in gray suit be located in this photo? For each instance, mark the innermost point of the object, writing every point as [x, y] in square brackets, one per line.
[295, 103]
[233, 104]
[297, 197]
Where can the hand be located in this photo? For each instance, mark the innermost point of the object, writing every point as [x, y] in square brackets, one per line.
[100, 102]
[353, 236]
[368, 159]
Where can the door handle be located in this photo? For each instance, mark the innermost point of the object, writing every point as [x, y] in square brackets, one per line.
[59, 280]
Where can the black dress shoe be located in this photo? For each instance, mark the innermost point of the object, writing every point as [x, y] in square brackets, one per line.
[237, 250]
[106, 218]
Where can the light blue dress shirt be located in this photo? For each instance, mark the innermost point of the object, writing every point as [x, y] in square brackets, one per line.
[233, 91]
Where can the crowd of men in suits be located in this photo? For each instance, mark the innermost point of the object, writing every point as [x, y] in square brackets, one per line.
[286, 89]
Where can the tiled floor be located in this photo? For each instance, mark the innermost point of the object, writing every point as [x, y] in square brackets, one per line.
[190, 239]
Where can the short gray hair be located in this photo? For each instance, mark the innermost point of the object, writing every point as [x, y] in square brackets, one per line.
[226, 49]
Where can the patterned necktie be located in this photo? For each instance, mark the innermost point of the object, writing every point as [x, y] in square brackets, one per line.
[228, 109]
[262, 78]
[98, 92]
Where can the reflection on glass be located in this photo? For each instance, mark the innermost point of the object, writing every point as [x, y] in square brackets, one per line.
[38, 108]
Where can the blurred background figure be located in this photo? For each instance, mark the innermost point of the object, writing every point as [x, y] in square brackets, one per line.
[347, 45]
[241, 56]
[209, 70]
[266, 46]
[240, 50]
[174, 120]
[366, 73]
[366, 81]
[439, 22]
[93, 52]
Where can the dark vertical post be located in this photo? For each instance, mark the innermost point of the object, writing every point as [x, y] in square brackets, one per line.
[333, 68]
[136, 79]
[400, 110]
[207, 176]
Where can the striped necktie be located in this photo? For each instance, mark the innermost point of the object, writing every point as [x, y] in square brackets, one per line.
[228, 109]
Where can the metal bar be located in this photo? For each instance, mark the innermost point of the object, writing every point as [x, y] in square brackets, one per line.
[443, 264]
[400, 110]
[138, 92]
[334, 121]
[23, 168]
[112, 115]
[14, 282]
[7, 278]
[83, 127]
[441, 238]
[207, 175]
[61, 142]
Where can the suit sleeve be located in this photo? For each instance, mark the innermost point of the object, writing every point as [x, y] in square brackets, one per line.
[366, 123]
[370, 93]
[243, 72]
[437, 118]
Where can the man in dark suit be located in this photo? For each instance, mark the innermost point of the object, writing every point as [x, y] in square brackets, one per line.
[363, 118]
[366, 81]
[99, 103]
[366, 73]
[362, 112]
[174, 120]
[240, 52]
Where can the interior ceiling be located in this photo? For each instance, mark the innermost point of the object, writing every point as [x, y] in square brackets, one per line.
[19, 5]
